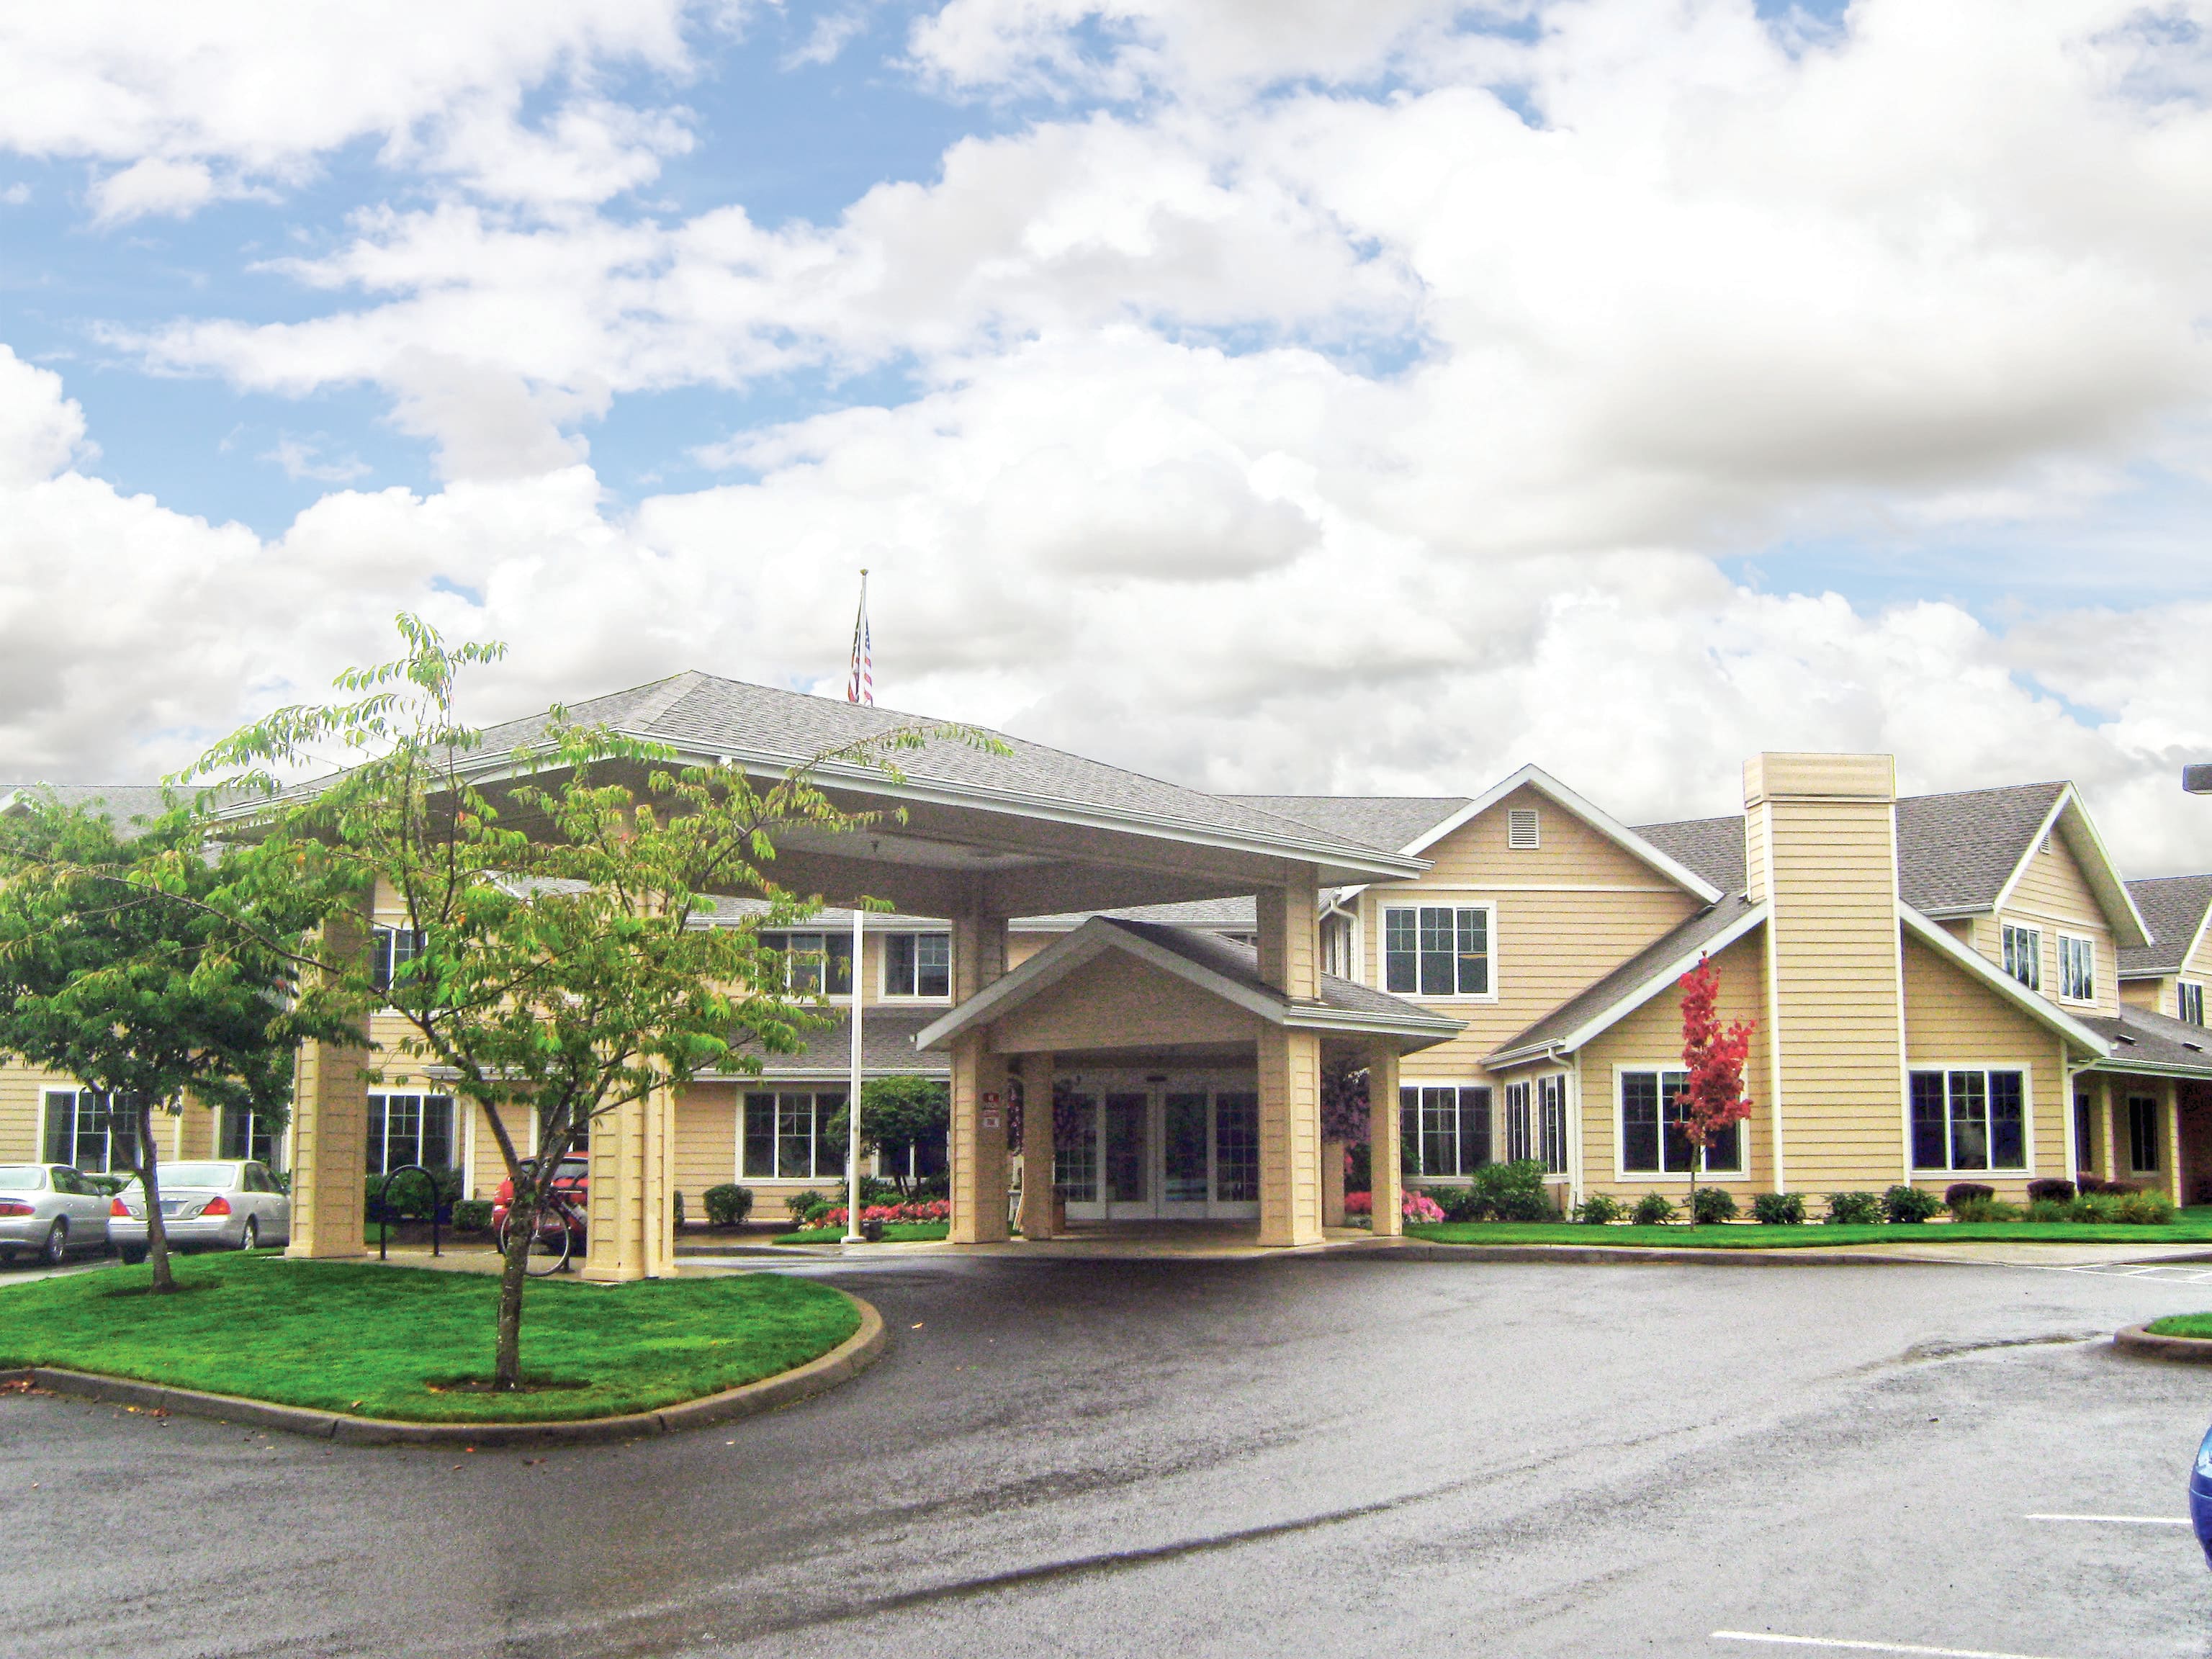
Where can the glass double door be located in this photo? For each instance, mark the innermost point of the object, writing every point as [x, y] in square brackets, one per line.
[1139, 1147]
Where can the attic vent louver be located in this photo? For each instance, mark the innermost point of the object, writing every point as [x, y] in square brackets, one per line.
[1521, 827]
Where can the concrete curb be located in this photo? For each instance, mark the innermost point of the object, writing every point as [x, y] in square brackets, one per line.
[818, 1376]
[1771, 1256]
[2139, 1341]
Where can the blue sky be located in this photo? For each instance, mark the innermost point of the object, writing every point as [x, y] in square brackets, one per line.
[1213, 387]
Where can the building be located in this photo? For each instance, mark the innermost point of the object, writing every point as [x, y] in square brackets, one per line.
[1943, 988]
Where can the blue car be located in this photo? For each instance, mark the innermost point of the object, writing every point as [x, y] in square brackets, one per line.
[2200, 1496]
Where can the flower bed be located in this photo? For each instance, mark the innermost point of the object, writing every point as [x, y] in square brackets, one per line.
[1413, 1206]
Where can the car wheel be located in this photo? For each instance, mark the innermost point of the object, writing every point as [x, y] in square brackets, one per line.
[133, 1255]
[55, 1250]
[249, 1234]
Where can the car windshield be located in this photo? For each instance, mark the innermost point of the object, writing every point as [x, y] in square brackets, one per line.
[199, 1174]
[572, 1169]
[22, 1178]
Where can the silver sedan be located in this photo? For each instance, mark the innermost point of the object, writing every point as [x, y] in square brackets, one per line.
[229, 1205]
[48, 1210]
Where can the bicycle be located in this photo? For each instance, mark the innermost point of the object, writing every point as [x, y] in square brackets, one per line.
[559, 1234]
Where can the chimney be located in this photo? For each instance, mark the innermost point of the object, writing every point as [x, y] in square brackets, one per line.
[1820, 850]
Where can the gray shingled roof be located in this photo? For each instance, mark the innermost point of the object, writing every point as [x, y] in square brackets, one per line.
[1220, 915]
[122, 802]
[703, 713]
[1578, 1010]
[1393, 821]
[2142, 1040]
[2174, 907]
[1954, 852]
[886, 1045]
[1710, 848]
[1241, 962]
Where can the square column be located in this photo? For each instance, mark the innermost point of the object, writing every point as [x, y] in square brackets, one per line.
[1289, 1137]
[630, 1226]
[2106, 1109]
[976, 1145]
[1041, 1217]
[1289, 935]
[2174, 1188]
[330, 1128]
[1385, 1181]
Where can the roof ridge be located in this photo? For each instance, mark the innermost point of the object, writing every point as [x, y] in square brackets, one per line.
[672, 690]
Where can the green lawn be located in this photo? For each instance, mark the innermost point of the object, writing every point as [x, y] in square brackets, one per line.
[368, 1339]
[2198, 1325]
[895, 1232]
[2194, 1226]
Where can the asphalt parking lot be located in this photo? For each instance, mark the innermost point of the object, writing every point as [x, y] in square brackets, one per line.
[1308, 1457]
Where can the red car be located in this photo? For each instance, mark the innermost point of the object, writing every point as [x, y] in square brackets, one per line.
[572, 1181]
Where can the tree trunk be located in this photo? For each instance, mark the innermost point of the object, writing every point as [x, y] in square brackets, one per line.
[157, 1235]
[506, 1356]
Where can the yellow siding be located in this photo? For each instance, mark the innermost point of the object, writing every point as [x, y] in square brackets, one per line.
[23, 1111]
[706, 1142]
[1652, 1036]
[1952, 1020]
[1115, 1001]
[2052, 894]
[1594, 907]
[2156, 995]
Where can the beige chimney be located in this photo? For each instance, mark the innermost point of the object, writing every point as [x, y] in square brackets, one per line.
[1820, 850]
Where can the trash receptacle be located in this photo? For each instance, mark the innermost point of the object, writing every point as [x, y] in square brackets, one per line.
[2200, 1496]
[871, 1228]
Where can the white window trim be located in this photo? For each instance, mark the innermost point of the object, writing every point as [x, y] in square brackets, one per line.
[1497, 1121]
[912, 999]
[2179, 986]
[2026, 1070]
[1625, 1176]
[1535, 821]
[1439, 900]
[2059, 989]
[2039, 930]
[830, 999]
[2159, 1110]
[1554, 1177]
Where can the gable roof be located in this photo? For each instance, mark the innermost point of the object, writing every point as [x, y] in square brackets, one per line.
[1392, 821]
[1958, 855]
[2177, 909]
[770, 728]
[1606, 1002]
[1218, 916]
[1221, 967]
[122, 802]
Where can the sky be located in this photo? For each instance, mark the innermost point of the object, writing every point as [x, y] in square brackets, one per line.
[1283, 395]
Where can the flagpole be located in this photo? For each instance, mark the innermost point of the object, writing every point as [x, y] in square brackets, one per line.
[862, 685]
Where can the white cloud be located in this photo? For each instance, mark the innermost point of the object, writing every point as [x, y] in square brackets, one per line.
[301, 457]
[199, 100]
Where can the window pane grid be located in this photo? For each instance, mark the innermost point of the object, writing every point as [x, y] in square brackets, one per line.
[1436, 950]
[1970, 1119]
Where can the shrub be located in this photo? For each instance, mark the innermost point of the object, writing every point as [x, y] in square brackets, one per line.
[472, 1215]
[2049, 1209]
[1420, 1206]
[2121, 1188]
[727, 1205]
[1779, 1209]
[1984, 1209]
[1458, 1203]
[1514, 1192]
[2051, 1188]
[1711, 1205]
[2144, 1210]
[1653, 1209]
[678, 1196]
[2097, 1206]
[803, 1203]
[1853, 1209]
[1909, 1204]
[409, 1195]
[1360, 1204]
[1599, 1208]
[1358, 1167]
[1965, 1192]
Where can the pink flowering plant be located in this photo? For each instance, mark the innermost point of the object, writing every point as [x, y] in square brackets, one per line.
[1420, 1206]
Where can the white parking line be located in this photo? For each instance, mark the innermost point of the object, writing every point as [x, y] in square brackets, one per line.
[1866, 1646]
[2121, 1520]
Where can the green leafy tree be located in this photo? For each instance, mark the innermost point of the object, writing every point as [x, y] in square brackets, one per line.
[153, 966]
[569, 960]
[898, 1114]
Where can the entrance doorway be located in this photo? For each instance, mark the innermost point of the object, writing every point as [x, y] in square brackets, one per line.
[1150, 1146]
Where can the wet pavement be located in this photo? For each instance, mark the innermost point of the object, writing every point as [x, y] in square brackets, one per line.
[1314, 1456]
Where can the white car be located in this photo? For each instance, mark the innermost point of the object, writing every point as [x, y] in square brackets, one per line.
[230, 1204]
[48, 1210]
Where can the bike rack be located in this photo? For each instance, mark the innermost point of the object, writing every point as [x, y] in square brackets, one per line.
[384, 1207]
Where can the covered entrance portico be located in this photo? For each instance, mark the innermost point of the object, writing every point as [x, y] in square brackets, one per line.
[1162, 1077]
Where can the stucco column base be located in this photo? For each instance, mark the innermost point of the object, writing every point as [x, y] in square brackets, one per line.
[1289, 1137]
[1385, 1185]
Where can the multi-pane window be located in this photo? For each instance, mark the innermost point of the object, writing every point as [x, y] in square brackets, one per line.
[2142, 1133]
[1552, 1122]
[87, 1131]
[404, 1129]
[1436, 949]
[1969, 1120]
[2189, 1002]
[2023, 955]
[241, 1134]
[917, 965]
[806, 956]
[1520, 1137]
[2084, 1133]
[2077, 968]
[1237, 1147]
[391, 950]
[1651, 1138]
[1444, 1129]
[788, 1134]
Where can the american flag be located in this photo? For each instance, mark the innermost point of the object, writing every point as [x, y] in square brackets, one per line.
[861, 685]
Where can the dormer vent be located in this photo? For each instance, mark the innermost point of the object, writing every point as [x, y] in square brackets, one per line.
[1522, 828]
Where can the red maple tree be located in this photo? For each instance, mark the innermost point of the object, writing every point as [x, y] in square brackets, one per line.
[1712, 1096]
